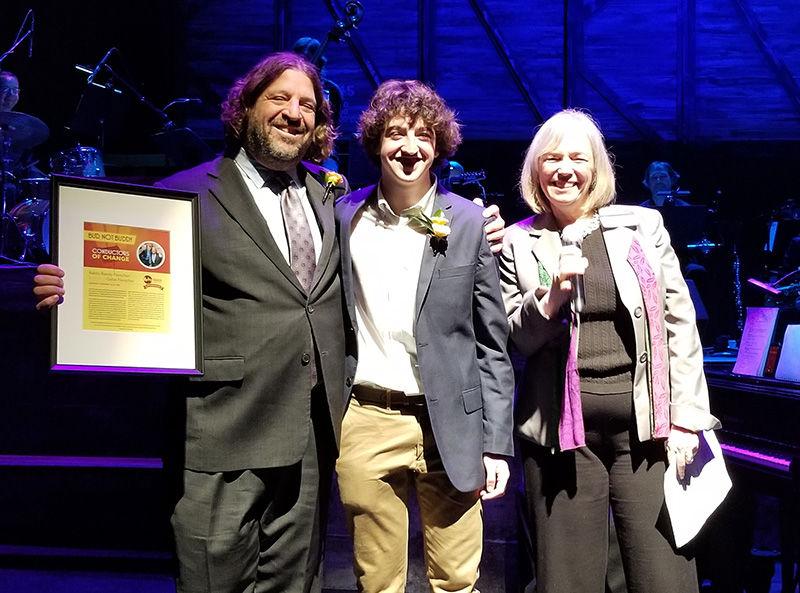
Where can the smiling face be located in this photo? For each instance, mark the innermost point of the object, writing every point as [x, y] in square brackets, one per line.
[407, 152]
[9, 91]
[565, 174]
[281, 122]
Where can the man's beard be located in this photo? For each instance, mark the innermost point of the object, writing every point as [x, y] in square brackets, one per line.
[271, 152]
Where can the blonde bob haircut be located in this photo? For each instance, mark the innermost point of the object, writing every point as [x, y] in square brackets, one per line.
[602, 190]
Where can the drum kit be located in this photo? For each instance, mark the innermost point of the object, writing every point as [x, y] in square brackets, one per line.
[25, 230]
[25, 190]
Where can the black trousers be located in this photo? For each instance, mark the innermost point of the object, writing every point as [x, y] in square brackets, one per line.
[568, 497]
[258, 530]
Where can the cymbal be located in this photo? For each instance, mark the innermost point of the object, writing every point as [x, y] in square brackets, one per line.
[25, 131]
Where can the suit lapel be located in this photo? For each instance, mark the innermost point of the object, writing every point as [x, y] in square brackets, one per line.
[324, 212]
[617, 233]
[232, 193]
[346, 210]
[618, 228]
[431, 257]
[546, 243]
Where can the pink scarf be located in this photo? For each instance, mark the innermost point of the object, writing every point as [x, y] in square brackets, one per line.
[571, 433]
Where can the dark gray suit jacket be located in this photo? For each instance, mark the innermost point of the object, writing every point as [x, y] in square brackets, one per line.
[261, 332]
[461, 332]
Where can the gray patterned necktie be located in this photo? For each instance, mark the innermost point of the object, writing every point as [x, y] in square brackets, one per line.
[302, 257]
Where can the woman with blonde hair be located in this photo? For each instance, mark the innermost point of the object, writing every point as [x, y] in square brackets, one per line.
[610, 377]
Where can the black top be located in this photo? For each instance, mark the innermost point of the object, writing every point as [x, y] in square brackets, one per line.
[607, 343]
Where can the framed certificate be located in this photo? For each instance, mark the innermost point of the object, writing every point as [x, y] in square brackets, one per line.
[131, 261]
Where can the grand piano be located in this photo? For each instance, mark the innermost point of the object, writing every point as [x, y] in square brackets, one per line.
[760, 439]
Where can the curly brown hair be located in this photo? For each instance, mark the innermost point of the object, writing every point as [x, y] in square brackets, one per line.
[415, 100]
[246, 90]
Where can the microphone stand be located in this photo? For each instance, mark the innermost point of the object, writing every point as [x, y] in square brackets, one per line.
[168, 126]
[4, 146]
[18, 41]
[166, 122]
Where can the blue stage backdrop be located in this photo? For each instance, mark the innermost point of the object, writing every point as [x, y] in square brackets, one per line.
[654, 70]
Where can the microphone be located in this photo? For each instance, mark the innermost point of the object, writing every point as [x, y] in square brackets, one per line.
[30, 37]
[571, 245]
[100, 65]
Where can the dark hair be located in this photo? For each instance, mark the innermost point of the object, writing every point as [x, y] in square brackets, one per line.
[415, 100]
[246, 90]
[674, 176]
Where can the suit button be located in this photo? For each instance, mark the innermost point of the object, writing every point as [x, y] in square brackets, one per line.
[643, 357]
[348, 381]
[637, 312]
[305, 359]
[310, 309]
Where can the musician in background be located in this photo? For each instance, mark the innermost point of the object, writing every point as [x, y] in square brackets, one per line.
[21, 163]
[686, 227]
[9, 90]
[308, 47]
[662, 181]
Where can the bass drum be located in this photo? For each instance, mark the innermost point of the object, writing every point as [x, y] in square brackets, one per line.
[35, 188]
[29, 238]
[80, 161]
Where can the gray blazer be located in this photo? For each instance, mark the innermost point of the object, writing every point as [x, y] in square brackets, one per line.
[261, 330]
[461, 335]
[530, 258]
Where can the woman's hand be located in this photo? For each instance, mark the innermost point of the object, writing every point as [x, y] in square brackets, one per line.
[570, 264]
[682, 445]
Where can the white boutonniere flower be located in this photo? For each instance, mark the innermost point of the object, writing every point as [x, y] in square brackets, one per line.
[436, 225]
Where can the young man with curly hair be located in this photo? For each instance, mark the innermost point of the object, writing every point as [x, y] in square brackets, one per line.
[431, 401]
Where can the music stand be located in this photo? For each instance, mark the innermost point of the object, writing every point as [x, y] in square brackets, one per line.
[687, 225]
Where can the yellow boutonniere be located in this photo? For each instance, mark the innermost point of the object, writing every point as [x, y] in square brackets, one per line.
[333, 178]
[436, 225]
[333, 181]
[440, 226]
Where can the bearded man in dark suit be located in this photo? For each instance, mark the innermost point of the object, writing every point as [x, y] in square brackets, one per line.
[262, 424]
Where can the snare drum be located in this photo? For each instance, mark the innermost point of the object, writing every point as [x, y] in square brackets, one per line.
[81, 161]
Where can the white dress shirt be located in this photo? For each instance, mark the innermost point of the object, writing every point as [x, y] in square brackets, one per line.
[387, 255]
[269, 204]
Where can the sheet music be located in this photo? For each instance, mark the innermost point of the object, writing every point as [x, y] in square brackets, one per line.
[756, 339]
[789, 362]
[692, 501]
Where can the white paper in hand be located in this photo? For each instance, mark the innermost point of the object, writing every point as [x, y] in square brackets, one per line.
[691, 501]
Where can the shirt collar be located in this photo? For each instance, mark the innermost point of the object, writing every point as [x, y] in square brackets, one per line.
[247, 167]
[425, 204]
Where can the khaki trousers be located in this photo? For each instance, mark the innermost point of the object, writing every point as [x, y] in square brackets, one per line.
[383, 453]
